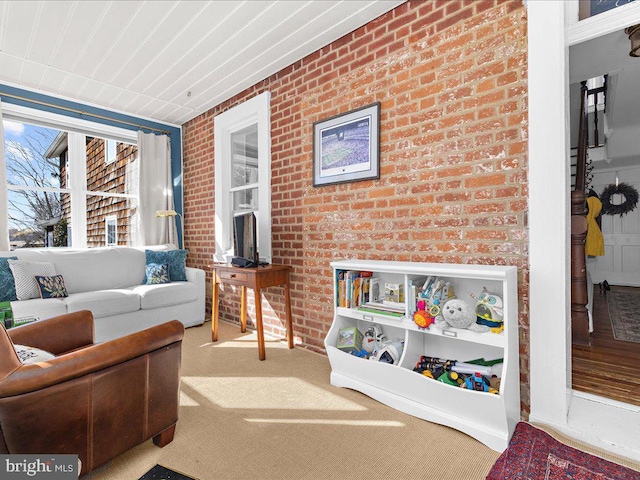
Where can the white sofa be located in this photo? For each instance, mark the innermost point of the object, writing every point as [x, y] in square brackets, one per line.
[108, 281]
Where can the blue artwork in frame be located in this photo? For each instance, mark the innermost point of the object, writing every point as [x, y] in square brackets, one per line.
[346, 148]
[600, 6]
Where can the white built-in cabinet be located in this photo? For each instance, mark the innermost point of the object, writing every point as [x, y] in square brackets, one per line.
[490, 418]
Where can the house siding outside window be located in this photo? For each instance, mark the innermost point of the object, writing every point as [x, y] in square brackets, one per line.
[111, 178]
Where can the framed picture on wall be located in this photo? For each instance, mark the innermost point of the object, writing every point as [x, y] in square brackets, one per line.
[346, 148]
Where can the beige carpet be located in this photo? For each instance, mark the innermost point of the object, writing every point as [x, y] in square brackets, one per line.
[281, 419]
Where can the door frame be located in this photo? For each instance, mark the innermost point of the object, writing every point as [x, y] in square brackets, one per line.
[552, 28]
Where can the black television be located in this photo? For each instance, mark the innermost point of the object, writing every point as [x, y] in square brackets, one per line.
[245, 241]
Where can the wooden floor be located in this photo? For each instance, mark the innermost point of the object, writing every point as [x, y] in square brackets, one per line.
[608, 367]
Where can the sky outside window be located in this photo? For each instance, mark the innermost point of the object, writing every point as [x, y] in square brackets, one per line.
[25, 146]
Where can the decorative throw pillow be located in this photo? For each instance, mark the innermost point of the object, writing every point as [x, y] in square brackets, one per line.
[176, 259]
[7, 284]
[24, 274]
[157, 273]
[28, 355]
[51, 287]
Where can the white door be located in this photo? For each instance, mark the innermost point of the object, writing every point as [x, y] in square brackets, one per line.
[620, 264]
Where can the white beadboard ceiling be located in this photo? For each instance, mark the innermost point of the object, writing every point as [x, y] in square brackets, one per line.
[165, 60]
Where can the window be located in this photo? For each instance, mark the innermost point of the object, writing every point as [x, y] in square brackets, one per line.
[244, 170]
[599, 98]
[58, 187]
[243, 173]
[110, 191]
[110, 153]
[111, 230]
[34, 193]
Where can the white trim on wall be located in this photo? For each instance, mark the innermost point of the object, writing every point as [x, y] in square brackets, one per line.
[19, 113]
[77, 187]
[614, 20]
[101, 108]
[549, 297]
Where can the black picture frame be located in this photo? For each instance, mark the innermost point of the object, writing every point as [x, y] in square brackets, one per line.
[346, 147]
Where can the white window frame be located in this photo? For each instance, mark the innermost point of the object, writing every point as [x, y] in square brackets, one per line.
[77, 130]
[253, 111]
[66, 170]
[109, 160]
[108, 221]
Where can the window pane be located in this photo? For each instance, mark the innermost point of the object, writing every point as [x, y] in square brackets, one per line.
[245, 200]
[245, 156]
[117, 177]
[62, 236]
[32, 215]
[98, 209]
[30, 158]
[111, 232]
[110, 151]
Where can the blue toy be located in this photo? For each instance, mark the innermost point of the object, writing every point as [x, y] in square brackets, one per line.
[476, 382]
[360, 353]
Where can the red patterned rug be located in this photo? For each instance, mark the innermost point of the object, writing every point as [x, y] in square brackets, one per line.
[533, 454]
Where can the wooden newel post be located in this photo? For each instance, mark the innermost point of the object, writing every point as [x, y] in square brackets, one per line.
[579, 294]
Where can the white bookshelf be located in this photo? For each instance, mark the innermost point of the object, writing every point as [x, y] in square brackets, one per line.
[490, 418]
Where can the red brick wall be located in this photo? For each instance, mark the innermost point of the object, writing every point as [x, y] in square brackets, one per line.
[451, 77]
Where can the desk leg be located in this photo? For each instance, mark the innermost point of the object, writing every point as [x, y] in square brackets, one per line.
[287, 303]
[214, 309]
[260, 328]
[243, 309]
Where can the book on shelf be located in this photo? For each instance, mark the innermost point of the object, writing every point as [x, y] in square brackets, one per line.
[353, 288]
[365, 284]
[393, 304]
[374, 289]
[354, 294]
[352, 281]
[340, 288]
[394, 292]
[383, 309]
[386, 306]
[379, 311]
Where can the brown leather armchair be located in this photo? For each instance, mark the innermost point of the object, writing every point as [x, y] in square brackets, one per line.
[94, 400]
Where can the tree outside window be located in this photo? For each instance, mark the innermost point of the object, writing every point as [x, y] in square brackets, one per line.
[34, 198]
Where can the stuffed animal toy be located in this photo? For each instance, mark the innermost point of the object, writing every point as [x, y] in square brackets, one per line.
[457, 313]
[373, 339]
[369, 342]
[489, 310]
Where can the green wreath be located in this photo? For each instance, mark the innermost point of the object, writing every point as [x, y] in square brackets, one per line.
[629, 193]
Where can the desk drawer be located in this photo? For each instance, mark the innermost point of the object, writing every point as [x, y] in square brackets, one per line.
[228, 276]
